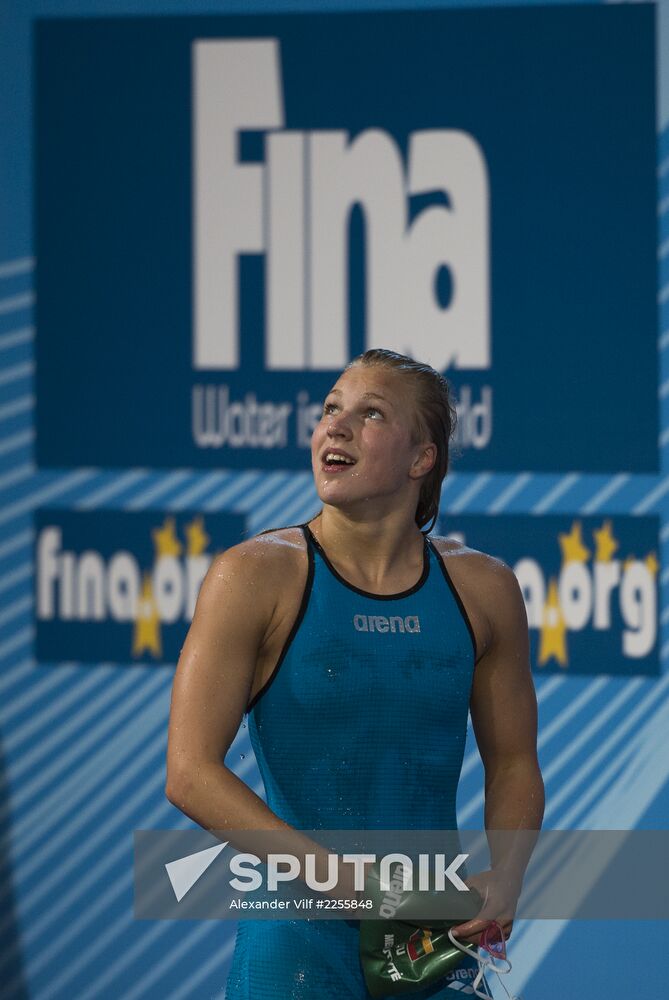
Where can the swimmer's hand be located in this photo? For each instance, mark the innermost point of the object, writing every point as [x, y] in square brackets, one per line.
[499, 891]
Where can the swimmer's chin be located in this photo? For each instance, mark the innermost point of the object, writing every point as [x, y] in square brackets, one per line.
[340, 501]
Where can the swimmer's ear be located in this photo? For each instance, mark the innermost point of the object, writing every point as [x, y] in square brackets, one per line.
[425, 460]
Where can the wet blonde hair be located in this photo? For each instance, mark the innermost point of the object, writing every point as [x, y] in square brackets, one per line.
[436, 419]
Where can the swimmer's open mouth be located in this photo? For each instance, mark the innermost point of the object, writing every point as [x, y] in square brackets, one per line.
[335, 460]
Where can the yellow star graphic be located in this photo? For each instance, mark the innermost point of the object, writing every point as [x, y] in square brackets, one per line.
[147, 623]
[652, 563]
[165, 541]
[552, 642]
[197, 537]
[606, 543]
[573, 549]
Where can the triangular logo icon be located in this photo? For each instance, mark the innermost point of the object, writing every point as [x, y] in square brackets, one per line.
[184, 872]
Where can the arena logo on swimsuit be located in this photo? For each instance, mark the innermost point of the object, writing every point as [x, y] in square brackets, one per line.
[294, 207]
[379, 623]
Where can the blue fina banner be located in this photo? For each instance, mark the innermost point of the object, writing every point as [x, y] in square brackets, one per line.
[118, 586]
[590, 586]
[230, 208]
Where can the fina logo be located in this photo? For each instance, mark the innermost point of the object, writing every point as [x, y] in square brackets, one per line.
[586, 590]
[87, 587]
[294, 208]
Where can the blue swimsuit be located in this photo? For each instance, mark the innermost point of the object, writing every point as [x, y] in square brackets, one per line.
[362, 726]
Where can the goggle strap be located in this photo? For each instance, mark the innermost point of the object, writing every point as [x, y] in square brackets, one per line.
[484, 964]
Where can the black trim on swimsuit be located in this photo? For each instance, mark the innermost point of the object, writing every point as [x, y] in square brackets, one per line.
[367, 593]
[298, 620]
[458, 599]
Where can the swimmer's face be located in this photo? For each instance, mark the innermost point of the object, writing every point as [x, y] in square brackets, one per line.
[367, 420]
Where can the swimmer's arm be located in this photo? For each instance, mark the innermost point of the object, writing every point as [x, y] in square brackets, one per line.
[211, 689]
[210, 692]
[504, 717]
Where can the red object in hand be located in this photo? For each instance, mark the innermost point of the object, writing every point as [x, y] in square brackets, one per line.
[492, 939]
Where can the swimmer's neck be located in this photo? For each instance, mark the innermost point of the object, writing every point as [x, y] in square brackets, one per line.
[377, 547]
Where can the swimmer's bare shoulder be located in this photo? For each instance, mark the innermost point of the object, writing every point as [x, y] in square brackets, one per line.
[486, 584]
[243, 601]
[261, 579]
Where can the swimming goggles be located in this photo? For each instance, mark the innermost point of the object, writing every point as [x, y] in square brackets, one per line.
[493, 959]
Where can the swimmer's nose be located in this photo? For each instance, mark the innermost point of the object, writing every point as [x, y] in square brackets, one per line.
[339, 426]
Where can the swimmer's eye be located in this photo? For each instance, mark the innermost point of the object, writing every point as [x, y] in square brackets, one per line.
[329, 407]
